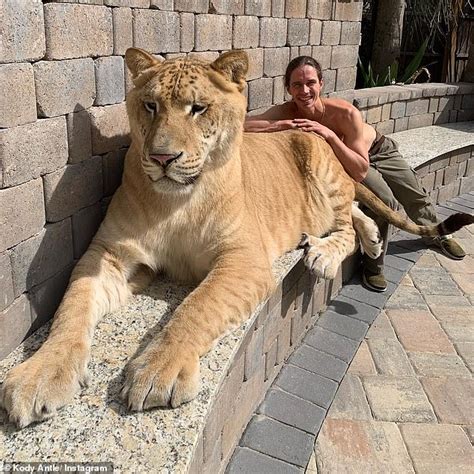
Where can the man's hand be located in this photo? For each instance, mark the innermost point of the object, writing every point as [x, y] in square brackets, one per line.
[312, 126]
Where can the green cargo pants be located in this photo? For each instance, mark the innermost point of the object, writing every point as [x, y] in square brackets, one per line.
[392, 180]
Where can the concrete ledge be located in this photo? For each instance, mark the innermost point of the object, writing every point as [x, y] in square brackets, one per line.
[421, 145]
[199, 435]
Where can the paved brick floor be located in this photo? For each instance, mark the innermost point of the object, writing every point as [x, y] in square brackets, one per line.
[383, 382]
[407, 401]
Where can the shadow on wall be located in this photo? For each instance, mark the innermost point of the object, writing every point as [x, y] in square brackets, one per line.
[76, 199]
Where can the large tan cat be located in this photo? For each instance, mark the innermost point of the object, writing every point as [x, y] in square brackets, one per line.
[204, 202]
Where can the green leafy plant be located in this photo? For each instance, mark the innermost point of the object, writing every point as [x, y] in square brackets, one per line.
[410, 73]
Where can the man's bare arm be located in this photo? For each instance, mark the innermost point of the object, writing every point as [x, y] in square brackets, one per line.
[356, 163]
[352, 152]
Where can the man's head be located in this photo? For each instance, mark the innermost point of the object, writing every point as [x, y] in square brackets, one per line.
[304, 81]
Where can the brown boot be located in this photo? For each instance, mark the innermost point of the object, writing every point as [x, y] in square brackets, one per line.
[374, 281]
[450, 247]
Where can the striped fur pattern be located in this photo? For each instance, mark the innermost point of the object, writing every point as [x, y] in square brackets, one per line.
[205, 203]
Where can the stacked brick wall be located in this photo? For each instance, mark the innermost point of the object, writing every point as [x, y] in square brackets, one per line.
[449, 175]
[63, 124]
[396, 108]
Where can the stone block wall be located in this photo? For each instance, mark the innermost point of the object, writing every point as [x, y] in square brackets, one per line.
[396, 108]
[449, 175]
[63, 124]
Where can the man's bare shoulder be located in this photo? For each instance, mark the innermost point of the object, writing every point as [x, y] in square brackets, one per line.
[340, 106]
[345, 119]
[343, 112]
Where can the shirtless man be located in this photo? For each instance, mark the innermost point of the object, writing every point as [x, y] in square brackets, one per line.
[367, 156]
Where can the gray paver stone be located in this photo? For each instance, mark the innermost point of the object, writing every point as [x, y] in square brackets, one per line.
[332, 343]
[410, 254]
[278, 440]
[354, 309]
[397, 262]
[348, 327]
[354, 290]
[247, 460]
[393, 275]
[318, 362]
[306, 385]
[292, 410]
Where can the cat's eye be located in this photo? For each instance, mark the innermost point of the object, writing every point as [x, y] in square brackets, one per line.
[198, 109]
[150, 107]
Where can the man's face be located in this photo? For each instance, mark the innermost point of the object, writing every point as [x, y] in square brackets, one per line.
[305, 86]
